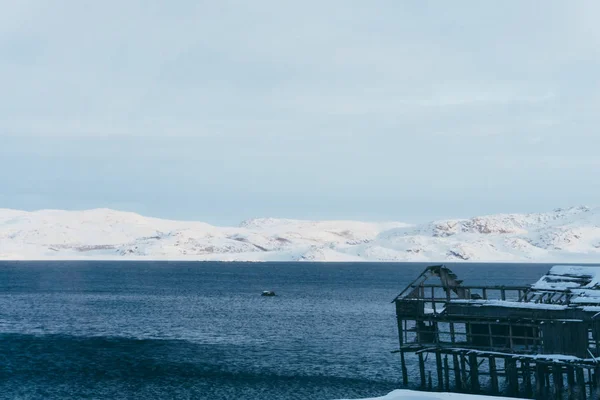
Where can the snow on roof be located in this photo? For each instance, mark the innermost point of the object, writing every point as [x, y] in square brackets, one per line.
[569, 277]
[512, 304]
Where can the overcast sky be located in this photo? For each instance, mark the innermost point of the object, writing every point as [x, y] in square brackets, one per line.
[225, 110]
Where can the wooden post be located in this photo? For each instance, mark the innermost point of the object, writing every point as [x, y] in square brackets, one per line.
[571, 382]
[512, 376]
[422, 371]
[400, 332]
[540, 382]
[430, 387]
[446, 373]
[557, 377]
[440, 372]
[463, 367]
[404, 369]
[527, 378]
[474, 369]
[596, 383]
[580, 377]
[457, 380]
[493, 375]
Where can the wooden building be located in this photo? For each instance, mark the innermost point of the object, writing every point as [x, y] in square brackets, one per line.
[538, 341]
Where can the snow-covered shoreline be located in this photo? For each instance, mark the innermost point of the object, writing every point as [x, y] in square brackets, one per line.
[563, 235]
[414, 395]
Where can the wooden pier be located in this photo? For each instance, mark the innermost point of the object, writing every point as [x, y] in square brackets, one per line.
[538, 341]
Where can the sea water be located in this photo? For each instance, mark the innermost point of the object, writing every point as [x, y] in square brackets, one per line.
[158, 330]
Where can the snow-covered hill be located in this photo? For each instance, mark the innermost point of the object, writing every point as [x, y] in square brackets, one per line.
[561, 235]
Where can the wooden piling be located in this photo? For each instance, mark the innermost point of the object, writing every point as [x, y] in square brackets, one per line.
[512, 376]
[580, 378]
[571, 389]
[446, 374]
[457, 379]
[422, 370]
[596, 393]
[527, 378]
[463, 368]
[557, 377]
[404, 369]
[493, 375]
[440, 372]
[540, 382]
[474, 372]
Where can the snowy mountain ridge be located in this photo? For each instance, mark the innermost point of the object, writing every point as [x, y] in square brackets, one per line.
[566, 235]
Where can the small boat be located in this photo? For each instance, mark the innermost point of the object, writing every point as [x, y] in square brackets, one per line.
[268, 293]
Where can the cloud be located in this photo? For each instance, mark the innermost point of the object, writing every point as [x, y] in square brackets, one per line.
[324, 99]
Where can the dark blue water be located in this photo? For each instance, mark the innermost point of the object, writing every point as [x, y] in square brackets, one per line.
[159, 330]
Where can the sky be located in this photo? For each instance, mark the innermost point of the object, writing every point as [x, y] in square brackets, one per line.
[333, 109]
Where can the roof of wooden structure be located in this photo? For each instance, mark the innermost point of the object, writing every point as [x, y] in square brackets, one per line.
[562, 286]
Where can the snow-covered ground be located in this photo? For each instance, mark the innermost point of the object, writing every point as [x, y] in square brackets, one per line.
[412, 395]
[563, 235]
